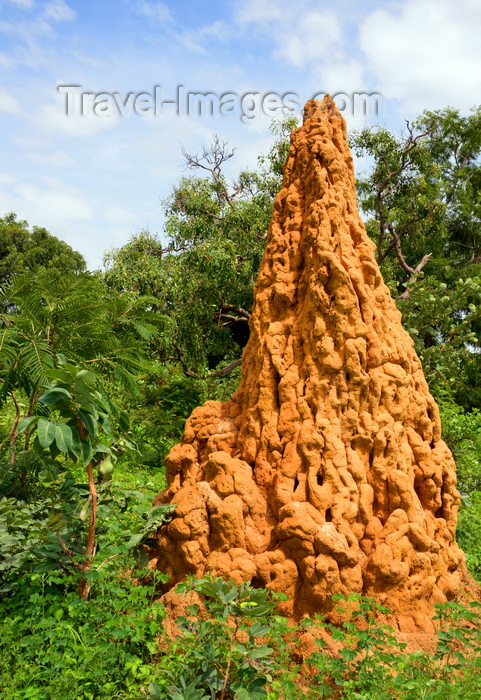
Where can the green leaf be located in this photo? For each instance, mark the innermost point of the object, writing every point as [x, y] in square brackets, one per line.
[26, 423]
[87, 376]
[63, 437]
[105, 423]
[135, 539]
[54, 394]
[46, 432]
[84, 510]
[87, 405]
[87, 452]
[59, 374]
[102, 448]
[71, 369]
[76, 443]
[81, 389]
[124, 421]
[89, 422]
[154, 690]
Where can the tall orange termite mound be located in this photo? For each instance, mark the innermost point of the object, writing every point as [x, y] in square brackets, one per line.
[326, 472]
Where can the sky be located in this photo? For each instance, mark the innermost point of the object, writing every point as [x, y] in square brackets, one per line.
[98, 175]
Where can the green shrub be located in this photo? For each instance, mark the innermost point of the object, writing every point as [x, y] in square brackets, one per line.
[468, 533]
[56, 646]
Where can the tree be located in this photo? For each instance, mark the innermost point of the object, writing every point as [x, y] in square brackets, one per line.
[203, 279]
[78, 318]
[22, 250]
[78, 412]
[422, 200]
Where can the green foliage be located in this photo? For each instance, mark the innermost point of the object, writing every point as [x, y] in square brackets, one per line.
[79, 317]
[366, 656]
[442, 321]
[462, 432]
[79, 321]
[22, 250]
[55, 646]
[468, 533]
[372, 665]
[422, 200]
[203, 280]
[29, 532]
[78, 410]
[168, 397]
[220, 656]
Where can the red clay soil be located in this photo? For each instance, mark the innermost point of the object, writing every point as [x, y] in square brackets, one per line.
[326, 472]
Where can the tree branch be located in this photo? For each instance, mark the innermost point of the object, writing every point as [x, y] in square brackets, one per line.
[227, 369]
[415, 273]
[215, 373]
[237, 309]
[211, 160]
[13, 432]
[69, 553]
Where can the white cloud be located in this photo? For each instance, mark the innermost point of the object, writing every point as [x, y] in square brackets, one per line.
[156, 11]
[23, 4]
[261, 12]
[8, 103]
[428, 54]
[197, 39]
[299, 34]
[45, 201]
[120, 215]
[51, 118]
[346, 77]
[55, 159]
[5, 61]
[7, 179]
[63, 210]
[310, 36]
[40, 24]
[58, 11]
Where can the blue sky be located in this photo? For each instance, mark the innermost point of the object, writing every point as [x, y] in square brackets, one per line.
[93, 181]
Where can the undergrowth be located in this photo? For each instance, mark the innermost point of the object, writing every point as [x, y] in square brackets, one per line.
[235, 646]
[55, 646]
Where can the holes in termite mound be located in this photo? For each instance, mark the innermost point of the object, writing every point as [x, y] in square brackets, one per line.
[328, 515]
[296, 483]
[320, 479]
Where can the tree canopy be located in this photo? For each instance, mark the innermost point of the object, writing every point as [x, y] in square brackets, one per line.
[203, 278]
[25, 250]
[422, 202]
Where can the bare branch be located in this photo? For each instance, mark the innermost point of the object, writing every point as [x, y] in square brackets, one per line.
[69, 553]
[105, 561]
[216, 373]
[227, 369]
[211, 160]
[213, 157]
[397, 247]
[415, 273]
[237, 309]
[233, 319]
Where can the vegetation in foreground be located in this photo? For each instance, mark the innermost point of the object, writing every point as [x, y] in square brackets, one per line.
[98, 372]
[55, 645]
